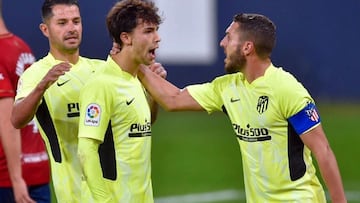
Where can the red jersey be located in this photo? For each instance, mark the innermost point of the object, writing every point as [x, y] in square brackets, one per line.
[15, 57]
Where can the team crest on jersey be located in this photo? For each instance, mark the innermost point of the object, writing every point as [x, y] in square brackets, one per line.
[312, 113]
[93, 113]
[262, 104]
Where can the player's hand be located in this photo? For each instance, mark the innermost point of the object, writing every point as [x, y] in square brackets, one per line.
[21, 192]
[158, 69]
[115, 49]
[54, 73]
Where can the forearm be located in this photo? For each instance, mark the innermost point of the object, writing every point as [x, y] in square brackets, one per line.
[10, 139]
[11, 142]
[331, 175]
[161, 90]
[90, 163]
[316, 141]
[24, 109]
[154, 108]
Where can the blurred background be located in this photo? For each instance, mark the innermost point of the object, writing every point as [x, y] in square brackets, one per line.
[196, 156]
[317, 41]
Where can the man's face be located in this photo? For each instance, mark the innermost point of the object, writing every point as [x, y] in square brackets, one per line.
[145, 40]
[64, 28]
[234, 57]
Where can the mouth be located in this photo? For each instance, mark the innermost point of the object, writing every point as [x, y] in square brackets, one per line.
[152, 53]
[71, 38]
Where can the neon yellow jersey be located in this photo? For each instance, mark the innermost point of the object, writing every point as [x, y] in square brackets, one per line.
[115, 111]
[268, 116]
[58, 119]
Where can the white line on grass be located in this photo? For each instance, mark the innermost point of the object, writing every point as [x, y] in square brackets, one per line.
[226, 195]
[223, 195]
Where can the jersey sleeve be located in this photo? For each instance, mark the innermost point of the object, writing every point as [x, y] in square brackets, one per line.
[297, 106]
[95, 110]
[28, 81]
[207, 95]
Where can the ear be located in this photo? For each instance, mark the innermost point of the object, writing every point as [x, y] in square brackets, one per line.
[126, 38]
[44, 29]
[248, 47]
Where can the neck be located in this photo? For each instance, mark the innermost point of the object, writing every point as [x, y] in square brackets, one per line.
[71, 57]
[3, 29]
[126, 63]
[255, 68]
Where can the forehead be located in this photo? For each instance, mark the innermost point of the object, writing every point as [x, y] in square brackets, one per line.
[233, 27]
[61, 11]
[146, 25]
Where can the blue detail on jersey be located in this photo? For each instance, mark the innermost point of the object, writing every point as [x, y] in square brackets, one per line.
[305, 119]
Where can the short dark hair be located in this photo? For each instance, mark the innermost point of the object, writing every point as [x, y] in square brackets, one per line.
[125, 15]
[46, 10]
[260, 29]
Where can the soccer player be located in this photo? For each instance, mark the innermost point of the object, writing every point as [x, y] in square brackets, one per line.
[24, 164]
[274, 117]
[115, 120]
[49, 90]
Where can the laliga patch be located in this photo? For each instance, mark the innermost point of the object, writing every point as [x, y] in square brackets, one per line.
[93, 113]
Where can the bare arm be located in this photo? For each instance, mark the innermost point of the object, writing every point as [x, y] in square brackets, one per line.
[11, 143]
[25, 108]
[166, 94]
[316, 141]
[154, 107]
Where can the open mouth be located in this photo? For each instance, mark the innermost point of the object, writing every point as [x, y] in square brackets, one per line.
[152, 53]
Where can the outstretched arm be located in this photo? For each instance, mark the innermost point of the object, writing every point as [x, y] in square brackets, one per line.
[11, 143]
[25, 108]
[316, 141]
[154, 107]
[166, 94]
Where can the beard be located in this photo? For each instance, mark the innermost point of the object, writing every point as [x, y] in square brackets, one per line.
[236, 62]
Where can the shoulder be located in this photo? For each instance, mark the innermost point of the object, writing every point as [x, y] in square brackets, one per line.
[91, 61]
[42, 64]
[283, 80]
[227, 79]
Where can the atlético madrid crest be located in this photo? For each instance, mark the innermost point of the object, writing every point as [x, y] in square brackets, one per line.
[262, 104]
[312, 113]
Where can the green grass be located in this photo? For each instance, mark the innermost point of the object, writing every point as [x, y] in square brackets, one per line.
[194, 152]
[341, 124]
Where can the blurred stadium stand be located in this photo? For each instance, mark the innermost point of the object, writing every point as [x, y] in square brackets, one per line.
[317, 41]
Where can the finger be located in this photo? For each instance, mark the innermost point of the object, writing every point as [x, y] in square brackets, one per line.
[163, 74]
[155, 66]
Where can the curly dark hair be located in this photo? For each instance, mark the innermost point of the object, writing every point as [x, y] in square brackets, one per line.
[125, 15]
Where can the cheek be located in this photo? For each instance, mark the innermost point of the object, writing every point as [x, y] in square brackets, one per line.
[79, 29]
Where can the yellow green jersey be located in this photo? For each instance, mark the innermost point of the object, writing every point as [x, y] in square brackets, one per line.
[58, 119]
[268, 117]
[114, 110]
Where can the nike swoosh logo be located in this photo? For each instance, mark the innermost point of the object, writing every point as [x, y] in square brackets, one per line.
[59, 84]
[234, 100]
[130, 101]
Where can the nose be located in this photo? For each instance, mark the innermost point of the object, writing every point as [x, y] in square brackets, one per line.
[72, 27]
[222, 43]
[157, 37]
